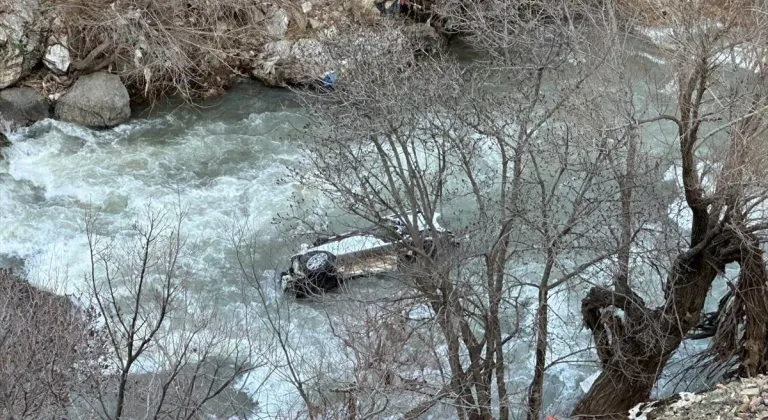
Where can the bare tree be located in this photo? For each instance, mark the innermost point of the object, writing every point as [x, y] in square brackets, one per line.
[407, 133]
[287, 359]
[45, 340]
[170, 353]
[719, 125]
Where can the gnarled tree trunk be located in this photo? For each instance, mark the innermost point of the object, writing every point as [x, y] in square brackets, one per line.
[635, 343]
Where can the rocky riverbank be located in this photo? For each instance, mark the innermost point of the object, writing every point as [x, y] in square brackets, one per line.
[742, 399]
[88, 65]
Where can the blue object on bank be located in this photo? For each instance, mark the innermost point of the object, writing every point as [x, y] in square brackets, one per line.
[329, 80]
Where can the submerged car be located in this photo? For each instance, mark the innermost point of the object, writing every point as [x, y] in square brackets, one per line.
[360, 253]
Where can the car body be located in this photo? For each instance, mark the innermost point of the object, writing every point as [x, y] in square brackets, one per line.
[360, 253]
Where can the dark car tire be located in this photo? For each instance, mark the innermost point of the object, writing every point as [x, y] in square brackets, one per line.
[320, 267]
[317, 262]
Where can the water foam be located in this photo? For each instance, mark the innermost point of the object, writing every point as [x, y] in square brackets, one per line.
[58, 170]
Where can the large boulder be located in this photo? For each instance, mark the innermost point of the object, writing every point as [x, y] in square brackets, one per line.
[97, 100]
[292, 62]
[308, 60]
[23, 106]
[23, 32]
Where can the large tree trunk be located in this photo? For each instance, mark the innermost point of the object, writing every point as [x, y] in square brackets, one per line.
[754, 295]
[634, 344]
[614, 393]
[742, 317]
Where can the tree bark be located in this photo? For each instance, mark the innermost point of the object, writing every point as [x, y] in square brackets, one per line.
[634, 346]
[537, 384]
[613, 394]
[536, 389]
[753, 296]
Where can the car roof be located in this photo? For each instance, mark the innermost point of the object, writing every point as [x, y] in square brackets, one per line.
[363, 239]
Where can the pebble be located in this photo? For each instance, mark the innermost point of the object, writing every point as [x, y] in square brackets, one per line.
[754, 403]
[745, 399]
[743, 408]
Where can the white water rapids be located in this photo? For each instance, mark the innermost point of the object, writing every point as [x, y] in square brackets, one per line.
[220, 163]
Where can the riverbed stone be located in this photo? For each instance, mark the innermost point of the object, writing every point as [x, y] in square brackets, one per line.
[98, 100]
[4, 142]
[292, 62]
[23, 32]
[57, 57]
[305, 60]
[277, 23]
[740, 399]
[23, 106]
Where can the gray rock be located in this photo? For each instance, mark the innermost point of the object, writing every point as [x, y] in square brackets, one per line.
[97, 100]
[306, 60]
[23, 32]
[57, 57]
[277, 23]
[23, 106]
[4, 142]
[292, 63]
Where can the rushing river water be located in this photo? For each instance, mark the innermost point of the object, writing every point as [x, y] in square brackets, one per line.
[220, 162]
[217, 162]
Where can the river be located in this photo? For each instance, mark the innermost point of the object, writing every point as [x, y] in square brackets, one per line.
[221, 162]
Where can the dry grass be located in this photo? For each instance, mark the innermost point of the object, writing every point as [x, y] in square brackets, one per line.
[184, 47]
[43, 338]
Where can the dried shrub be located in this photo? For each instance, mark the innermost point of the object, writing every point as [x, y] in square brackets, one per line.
[44, 339]
[185, 47]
